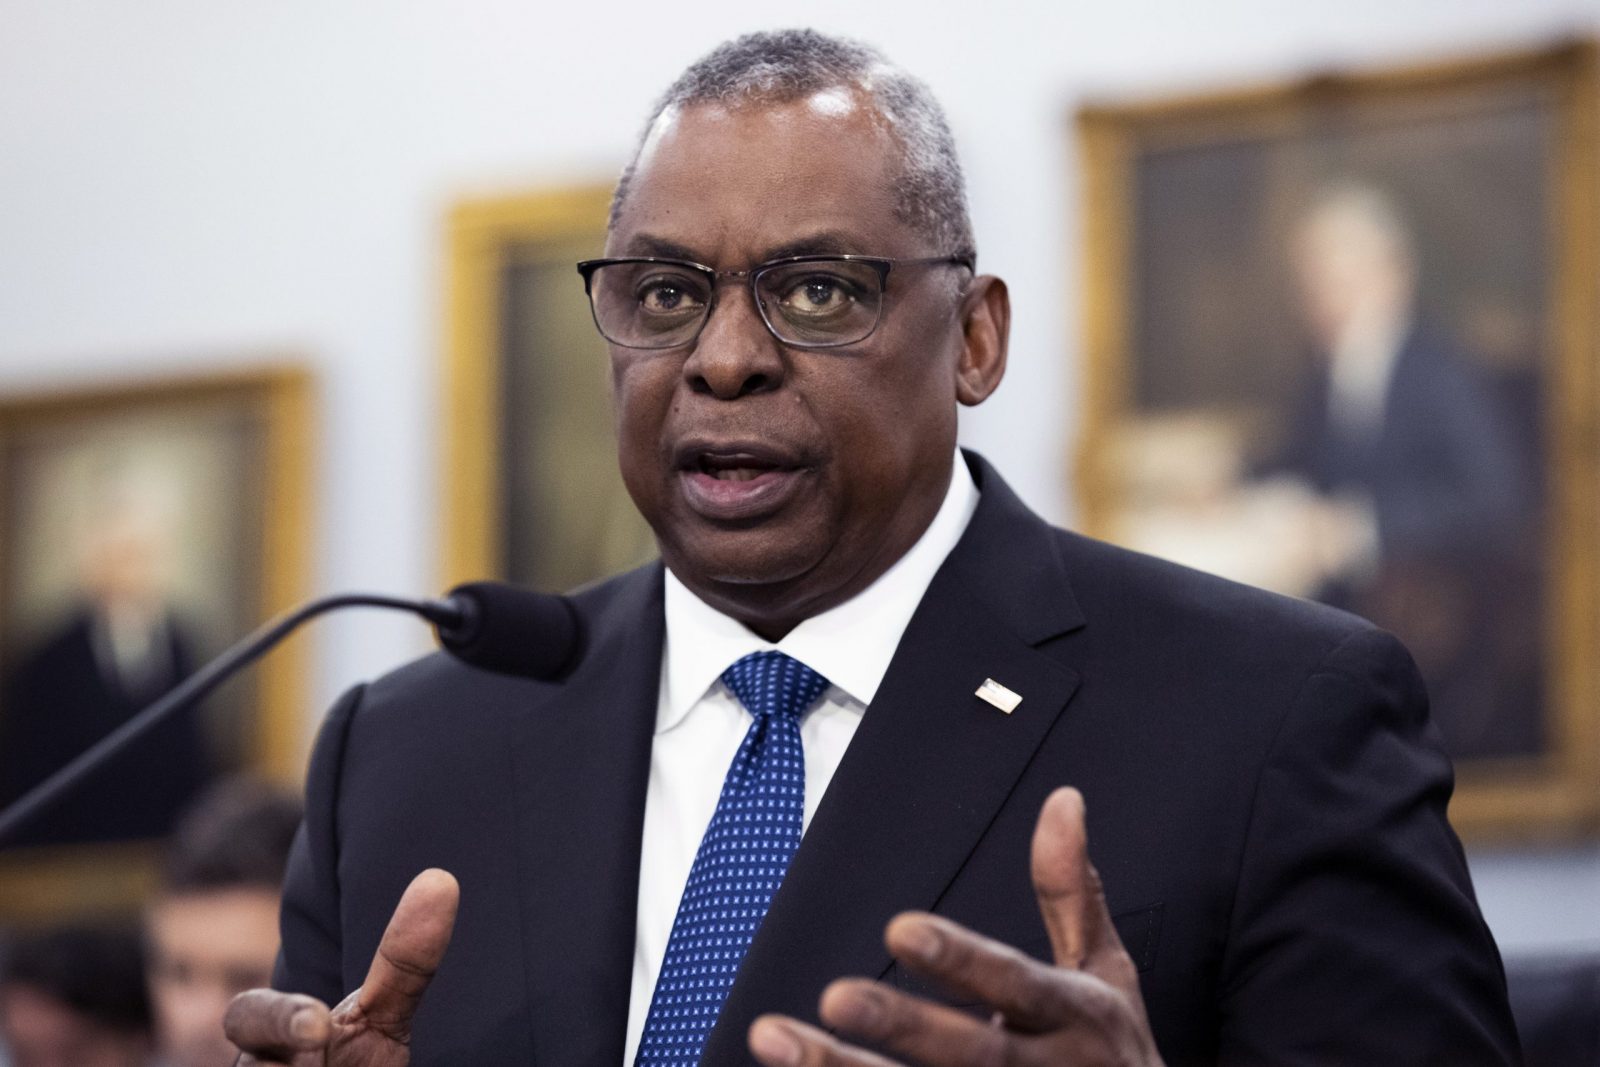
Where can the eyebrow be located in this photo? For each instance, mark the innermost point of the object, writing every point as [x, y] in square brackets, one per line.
[822, 243]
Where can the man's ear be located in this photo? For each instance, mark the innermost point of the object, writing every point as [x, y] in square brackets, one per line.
[986, 331]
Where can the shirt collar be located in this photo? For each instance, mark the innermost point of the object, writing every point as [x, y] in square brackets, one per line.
[850, 644]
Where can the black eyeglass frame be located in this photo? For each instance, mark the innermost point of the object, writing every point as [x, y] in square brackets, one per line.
[881, 264]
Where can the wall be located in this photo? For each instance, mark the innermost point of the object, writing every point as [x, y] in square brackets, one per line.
[185, 184]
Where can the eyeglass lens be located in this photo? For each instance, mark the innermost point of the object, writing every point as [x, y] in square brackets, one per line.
[659, 305]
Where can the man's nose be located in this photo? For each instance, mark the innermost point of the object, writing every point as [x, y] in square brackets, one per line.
[735, 354]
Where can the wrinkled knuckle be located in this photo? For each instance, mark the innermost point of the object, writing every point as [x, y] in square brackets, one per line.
[405, 967]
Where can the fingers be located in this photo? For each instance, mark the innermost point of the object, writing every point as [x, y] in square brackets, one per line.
[276, 1026]
[1071, 898]
[409, 954]
[778, 1041]
[1034, 997]
[920, 1031]
[916, 1031]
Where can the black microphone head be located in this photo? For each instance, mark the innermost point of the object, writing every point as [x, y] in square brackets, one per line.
[513, 631]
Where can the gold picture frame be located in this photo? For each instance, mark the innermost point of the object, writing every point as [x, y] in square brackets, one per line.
[1209, 224]
[530, 484]
[215, 472]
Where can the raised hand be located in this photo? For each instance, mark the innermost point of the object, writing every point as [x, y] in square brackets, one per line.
[1085, 1010]
[372, 1026]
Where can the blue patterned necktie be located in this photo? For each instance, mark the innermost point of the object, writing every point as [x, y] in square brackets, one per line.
[742, 858]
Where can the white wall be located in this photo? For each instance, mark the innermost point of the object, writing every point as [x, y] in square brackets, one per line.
[185, 183]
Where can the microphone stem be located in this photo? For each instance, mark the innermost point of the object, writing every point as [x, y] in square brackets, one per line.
[195, 688]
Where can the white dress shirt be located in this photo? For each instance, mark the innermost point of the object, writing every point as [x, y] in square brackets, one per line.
[700, 723]
[1360, 371]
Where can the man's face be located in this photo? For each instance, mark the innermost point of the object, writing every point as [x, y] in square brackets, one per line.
[1348, 270]
[206, 947]
[781, 481]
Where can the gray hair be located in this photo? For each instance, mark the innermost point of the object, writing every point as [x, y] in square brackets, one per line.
[784, 65]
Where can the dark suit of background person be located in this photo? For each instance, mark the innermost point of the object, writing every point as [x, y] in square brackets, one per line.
[68, 693]
[1455, 502]
[1413, 436]
[1266, 808]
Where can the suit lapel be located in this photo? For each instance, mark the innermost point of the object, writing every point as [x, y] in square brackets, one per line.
[580, 821]
[927, 771]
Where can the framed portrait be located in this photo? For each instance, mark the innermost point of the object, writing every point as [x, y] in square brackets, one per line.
[531, 489]
[143, 529]
[1341, 342]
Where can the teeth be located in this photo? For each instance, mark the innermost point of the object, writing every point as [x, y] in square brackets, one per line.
[736, 474]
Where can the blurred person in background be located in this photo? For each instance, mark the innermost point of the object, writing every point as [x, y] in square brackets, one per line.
[1419, 510]
[74, 996]
[212, 929]
[1397, 432]
[117, 648]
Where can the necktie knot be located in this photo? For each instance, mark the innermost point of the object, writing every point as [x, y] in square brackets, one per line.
[774, 685]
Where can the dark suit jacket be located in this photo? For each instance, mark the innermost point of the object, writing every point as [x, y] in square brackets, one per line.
[58, 701]
[1445, 473]
[1265, 801]
[1460, 567]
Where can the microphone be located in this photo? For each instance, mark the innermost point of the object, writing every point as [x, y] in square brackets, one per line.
[510, 630]
[491, 625]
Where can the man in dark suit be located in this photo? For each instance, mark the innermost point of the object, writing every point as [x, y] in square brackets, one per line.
[119, 647]
[65, 695]
[1426, 503]
[1264, 795]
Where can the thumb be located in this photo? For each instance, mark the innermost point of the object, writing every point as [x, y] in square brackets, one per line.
[1071, 898]
[409, 953]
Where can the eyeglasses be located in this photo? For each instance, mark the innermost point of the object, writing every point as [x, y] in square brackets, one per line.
[806, 301]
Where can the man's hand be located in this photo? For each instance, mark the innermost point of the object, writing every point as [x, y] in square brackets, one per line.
[1086, 1010]
[372, 1026]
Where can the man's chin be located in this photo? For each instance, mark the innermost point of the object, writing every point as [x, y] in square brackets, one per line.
[743, 568]
[739, 571]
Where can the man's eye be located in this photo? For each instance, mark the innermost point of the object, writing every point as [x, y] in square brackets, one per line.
[817, 294]
[666, 295]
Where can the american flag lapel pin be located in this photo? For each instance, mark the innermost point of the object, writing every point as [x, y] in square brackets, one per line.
[993, 692]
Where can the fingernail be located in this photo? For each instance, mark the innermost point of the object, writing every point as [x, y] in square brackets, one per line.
[774, 1044]
[303, 1024]
[922, 941]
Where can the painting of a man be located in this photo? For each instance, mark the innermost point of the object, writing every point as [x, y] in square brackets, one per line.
[1419, 497]
[117, 646]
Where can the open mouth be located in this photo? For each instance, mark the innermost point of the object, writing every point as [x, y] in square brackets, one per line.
[740, 482]
[734, 468]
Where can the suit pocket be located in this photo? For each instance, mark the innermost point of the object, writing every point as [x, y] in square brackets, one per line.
[1138, 928]
[1140, 931]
